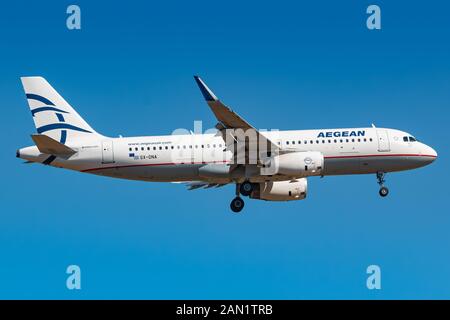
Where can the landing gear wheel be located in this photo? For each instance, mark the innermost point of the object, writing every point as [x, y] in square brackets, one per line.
[246, 188]
[237, 204]
[384, 191]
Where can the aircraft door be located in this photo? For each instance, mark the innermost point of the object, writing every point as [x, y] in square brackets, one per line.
[383, 141]
[107, 151]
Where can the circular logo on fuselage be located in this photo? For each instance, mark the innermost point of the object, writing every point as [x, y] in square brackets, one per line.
[308, 160]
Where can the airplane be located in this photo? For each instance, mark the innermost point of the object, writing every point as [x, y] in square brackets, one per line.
[263, 165]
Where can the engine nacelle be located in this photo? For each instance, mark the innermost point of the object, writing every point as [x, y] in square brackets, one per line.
[295, 164]
[281, 190]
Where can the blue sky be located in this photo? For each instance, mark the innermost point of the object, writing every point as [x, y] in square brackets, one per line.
[284, 65]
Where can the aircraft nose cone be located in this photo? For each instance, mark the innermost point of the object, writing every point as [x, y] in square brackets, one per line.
[431, 153]
[17, 153]
[434, 153]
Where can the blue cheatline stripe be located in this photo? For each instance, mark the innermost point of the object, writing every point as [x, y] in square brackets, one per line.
[63, 136]
[46, 108]
[49, 160]
[39, 98]
[60, 117]
[54, 126]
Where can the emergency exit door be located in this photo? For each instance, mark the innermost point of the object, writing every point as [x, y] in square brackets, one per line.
[107, 151]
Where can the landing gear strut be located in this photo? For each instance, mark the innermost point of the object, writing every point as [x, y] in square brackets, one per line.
[383, 190]
[237, 204]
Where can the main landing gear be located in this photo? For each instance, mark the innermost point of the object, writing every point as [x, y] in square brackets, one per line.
[237, 204]
[245, 189]
[383, 190]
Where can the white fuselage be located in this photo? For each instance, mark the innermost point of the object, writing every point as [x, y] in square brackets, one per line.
[204, 157]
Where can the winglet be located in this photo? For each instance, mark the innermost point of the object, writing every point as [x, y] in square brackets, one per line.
[207, 93]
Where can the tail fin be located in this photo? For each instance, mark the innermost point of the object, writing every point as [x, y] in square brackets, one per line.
[52, 115]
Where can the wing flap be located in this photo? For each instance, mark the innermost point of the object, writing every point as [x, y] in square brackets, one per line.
[202, 184]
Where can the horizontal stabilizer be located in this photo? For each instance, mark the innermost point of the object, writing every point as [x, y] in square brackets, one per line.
[48, 145]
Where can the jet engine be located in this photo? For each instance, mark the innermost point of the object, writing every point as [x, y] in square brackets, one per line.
[280, 190]
[295, 164]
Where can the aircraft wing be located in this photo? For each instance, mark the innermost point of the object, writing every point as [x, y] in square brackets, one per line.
[227, 118]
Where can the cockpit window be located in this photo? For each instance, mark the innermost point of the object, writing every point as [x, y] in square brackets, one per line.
[412, 139]
[405, 139]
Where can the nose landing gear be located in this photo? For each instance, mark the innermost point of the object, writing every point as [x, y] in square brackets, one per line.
[383, 190]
